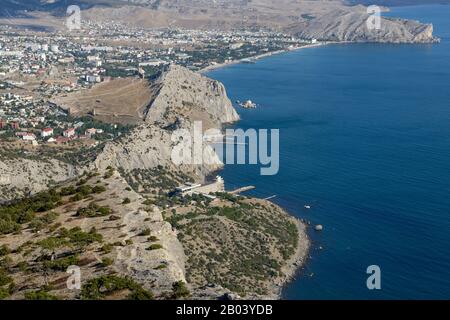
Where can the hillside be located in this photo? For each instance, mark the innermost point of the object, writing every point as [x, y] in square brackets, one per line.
[181, 97]
[87, 223]
[325, 20]
[119, 100]
[393, 3]
[111, 211]
[130, 246]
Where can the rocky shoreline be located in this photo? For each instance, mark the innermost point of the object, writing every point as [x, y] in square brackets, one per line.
[296, 262]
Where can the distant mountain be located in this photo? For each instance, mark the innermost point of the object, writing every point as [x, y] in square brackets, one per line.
[332, 20]
[12, 7]
[392, 3]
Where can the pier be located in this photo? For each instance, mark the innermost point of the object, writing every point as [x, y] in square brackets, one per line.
[243, 189]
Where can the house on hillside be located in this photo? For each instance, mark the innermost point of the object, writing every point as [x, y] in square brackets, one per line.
[69, 133]
[46, 132]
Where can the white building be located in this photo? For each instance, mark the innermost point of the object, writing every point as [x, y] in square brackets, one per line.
[47, 132]
[189, 188]
[54, 48]
[93, 78]
[29, 137]
[69, 133]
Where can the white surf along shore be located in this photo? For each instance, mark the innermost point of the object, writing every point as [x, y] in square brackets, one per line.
[264, 55]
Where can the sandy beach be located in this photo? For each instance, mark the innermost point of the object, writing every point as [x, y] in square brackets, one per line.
[261, 56]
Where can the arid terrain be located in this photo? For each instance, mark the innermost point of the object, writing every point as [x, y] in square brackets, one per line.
[118, 100]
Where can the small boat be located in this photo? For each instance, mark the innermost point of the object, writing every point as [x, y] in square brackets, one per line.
[307, 207]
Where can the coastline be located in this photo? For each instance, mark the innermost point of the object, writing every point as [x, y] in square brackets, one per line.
[264, 55]
[298, 259]
[294, 264]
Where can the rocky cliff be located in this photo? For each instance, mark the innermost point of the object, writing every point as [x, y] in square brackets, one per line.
[351, 26]
[20, 176]
[192, 97]
[183, 97]
[108, 238]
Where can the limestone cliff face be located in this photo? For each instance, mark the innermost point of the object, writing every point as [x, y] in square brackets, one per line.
[351, 26]
[189, 95]
[183, 98]
[135, 260]
[20, 176]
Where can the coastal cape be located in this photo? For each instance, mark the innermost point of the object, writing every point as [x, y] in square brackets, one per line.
[119, 200]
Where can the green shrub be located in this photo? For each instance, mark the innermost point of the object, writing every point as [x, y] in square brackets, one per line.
[77, 197]
[140, 294]
[23, 211]
[180, 290]
[84, 190]
[39, 295]
[161, 266]
[4, 293]
[8, 226]
[52, 243]
[98, 189]
[145, 232]
[68, 191]
[107, 262]
[155, 247]
[107, 248]
[126, 201]
[62, 264]
[93, 211]
[4, 250]
[108, 174]
[101, 287]
[72, 237]
[81, 238]
[39, 223]
[4, 278]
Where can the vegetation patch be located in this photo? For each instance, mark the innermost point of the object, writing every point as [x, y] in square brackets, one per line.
[238, 243]
[93, 211]
[104, 286]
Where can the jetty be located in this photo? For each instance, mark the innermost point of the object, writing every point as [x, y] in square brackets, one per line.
[243, 189]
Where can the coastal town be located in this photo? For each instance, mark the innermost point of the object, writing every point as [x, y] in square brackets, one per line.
[36, 67]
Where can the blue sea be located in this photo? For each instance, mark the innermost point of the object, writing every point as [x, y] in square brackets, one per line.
[365, 141]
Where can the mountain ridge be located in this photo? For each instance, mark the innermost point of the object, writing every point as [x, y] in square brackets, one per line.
[334, 20]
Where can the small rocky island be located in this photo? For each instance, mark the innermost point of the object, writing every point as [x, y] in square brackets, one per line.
[249, 104]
